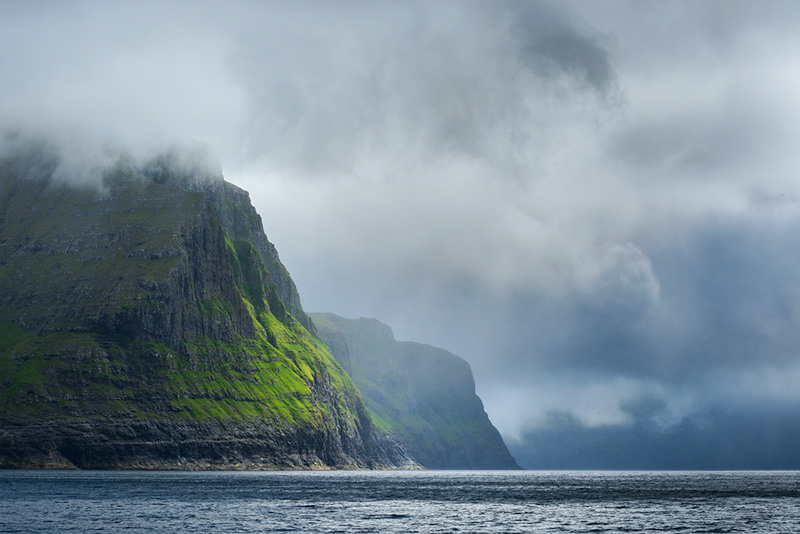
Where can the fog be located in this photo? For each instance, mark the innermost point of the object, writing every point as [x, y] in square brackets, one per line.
[595, 204]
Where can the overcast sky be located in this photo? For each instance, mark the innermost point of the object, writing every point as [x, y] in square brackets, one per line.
[597, 204]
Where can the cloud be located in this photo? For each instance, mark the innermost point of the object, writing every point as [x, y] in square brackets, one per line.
[553, 46]
[94, 78]
[596, 241]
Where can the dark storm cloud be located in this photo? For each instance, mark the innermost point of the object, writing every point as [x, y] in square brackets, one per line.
[595, 203]
[551, 45]
[718, 439]
[722, 334]
[728, 299]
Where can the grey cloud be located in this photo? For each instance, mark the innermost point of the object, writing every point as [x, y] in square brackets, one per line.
[553, 45]
[438, 80]
[630, 277]
[728, 299]
[93, 77]
[643, 408]
[691, 139]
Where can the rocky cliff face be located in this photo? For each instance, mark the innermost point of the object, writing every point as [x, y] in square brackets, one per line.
[149, 323]
[236, 215]
[420, 396]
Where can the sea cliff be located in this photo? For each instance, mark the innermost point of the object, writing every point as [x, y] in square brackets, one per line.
[420, 396]
[148, 322]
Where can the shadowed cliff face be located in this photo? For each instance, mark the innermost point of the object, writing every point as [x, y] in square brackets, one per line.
[140, 326]
[422, 396]
[235, 213]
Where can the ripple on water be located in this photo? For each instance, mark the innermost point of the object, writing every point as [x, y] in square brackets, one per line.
[479, 502]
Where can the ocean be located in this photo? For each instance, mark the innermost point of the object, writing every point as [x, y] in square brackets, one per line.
[166, 502]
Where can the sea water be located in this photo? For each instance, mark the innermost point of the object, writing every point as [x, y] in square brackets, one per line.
[398, 501]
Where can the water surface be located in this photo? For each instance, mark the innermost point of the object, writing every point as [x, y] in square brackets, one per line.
[398, 501]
